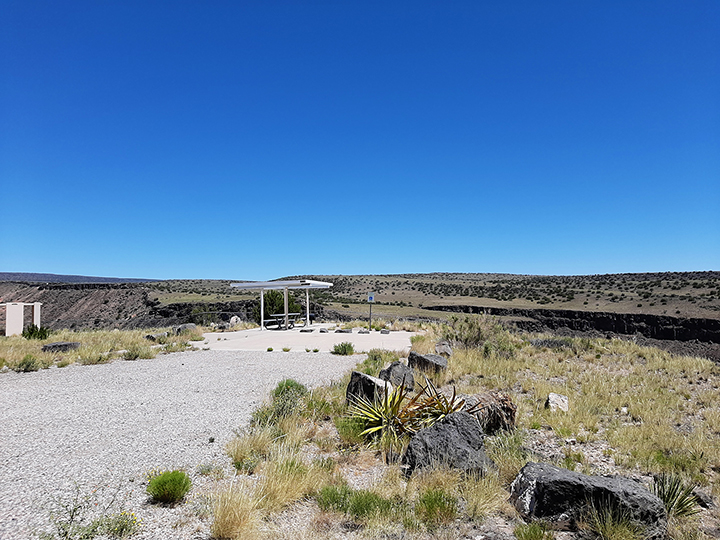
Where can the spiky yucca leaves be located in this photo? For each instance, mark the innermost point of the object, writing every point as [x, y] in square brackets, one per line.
[392, 419]
[434, 405]
[389, 419]
[678, 499]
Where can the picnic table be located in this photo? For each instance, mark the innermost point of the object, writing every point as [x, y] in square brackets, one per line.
[278, 319]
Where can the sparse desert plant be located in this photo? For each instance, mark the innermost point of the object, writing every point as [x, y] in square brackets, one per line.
[343, 349]
[235, 514]
[507, 452]
[435, 507]
[376, 360]
[483, 495]
[286, 478]
[316, 350]
[269, 349]
[248, 450]
[27, 364]
[90, 358]
[34, 332]
[678, 498]
[210, 469]
[286, 349]
[84, 516]
[287, 399]
[536, 530]
[609, 522]
[361, 505]
[169, 486]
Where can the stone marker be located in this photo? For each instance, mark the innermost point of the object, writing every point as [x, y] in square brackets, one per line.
[384, 331]
[427, 362]
[343, 331]
[363, 331]
[323, 330]
[562, 498]
[306, 330]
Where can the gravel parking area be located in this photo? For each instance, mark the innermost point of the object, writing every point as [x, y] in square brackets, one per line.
[109, 424]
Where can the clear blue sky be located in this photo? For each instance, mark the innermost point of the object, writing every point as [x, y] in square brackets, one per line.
[254, 140]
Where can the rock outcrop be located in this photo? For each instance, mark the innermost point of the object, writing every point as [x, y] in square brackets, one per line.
[494, 411]
[362, 385]
[456, 442]
[427, 362]
[564, 498]
[398, 374]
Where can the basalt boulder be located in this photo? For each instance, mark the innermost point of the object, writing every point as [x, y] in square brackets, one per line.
[565, 498]
[427, 362]
[456, 442]
[398, 374]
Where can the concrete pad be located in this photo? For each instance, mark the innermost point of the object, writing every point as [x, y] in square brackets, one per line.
[257, 340]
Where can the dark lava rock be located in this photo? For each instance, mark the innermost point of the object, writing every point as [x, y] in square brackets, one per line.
[188, 327]
[456, 442]
[427, 362]
[562, 498]
[61, 346]
[366, 386]
[399, 375]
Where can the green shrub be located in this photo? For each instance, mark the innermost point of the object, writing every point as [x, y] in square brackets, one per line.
[678, 499]
[287, 400]
[350, 429]
[269, 349]
[333, 498]
[343, 349]
[435, 507]
[376, 360]
[537, 530]
[35, 332]
[286, 349]
[27, 364]
[169, 486]
[364, 504]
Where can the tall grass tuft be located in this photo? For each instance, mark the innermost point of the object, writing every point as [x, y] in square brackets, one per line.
[235, 515]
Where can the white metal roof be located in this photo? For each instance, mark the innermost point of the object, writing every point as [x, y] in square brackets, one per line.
[291, 284]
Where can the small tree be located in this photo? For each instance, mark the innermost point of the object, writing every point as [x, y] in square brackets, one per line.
[275, 303]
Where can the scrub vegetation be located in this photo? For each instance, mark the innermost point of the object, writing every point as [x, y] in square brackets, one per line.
[96, 347]
[633, 411]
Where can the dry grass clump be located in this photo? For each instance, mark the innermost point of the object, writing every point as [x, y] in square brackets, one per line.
[236, 514]
[286, 478]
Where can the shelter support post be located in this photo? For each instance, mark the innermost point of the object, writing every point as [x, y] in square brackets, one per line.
[36, 313]
[307, 307]
[287, 316]
[262, 309]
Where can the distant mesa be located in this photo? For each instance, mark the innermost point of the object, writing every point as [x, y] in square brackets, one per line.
[28, 277]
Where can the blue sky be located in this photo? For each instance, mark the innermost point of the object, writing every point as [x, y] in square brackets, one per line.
[254, 140]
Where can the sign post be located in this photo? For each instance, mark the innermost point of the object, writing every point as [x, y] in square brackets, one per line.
[371, 299]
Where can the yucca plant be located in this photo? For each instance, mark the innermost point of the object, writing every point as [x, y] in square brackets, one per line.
[387, 419]
[394, 418]
[678, 498]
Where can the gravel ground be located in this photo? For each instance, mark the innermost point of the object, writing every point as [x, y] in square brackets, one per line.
[108, 425]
